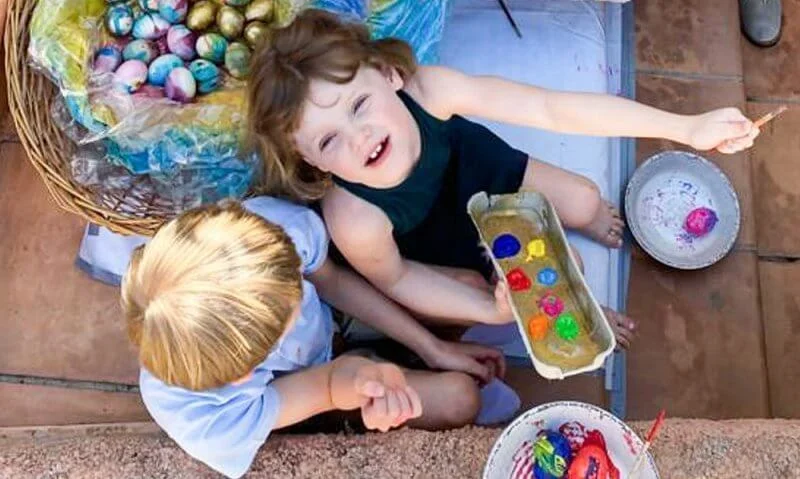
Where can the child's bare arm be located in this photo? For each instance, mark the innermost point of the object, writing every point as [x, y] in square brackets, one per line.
[347, 383]
[363, 234]
[446, 92]
[350, 293]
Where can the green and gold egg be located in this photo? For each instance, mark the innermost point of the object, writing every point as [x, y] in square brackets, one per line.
[255, 32]
[237, 60]
[230, 22]
[201, 15]
[259, 10]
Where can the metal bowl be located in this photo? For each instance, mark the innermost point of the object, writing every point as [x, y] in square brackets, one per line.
[661, 194]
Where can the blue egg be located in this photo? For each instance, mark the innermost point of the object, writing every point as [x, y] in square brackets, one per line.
[142, 50]
[149, 5]
[150, 26]
[206, 74]
[119, 20]
[173, 11]
[107, 59]
[161, 67]
[212, 47]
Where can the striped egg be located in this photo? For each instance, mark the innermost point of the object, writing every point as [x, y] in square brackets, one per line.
[130, 75]
[150, 26]
[107, 59]
[142, 50]
[180, 41]
[180, 85]
[149, 5]
[206, 74]
[230, 22]
[119, 20]
[160, 68]
[173, 11]
[212, 46]
[237, 60]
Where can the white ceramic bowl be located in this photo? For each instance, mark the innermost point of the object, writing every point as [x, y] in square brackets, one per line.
[661, 194]
[515, 442]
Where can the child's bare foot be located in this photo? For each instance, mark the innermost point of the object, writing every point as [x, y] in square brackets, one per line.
[606, 227]
[622, 326]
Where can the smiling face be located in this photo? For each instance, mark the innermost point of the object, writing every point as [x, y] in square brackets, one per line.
[359, 131]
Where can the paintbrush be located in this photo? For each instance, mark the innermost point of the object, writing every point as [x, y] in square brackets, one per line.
[770, 116]
[507, 11]
[650, 437]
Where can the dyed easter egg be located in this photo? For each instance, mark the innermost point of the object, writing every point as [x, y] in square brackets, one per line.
[237, 60]
[149, 5]
[591, 462]
[259, 10]
[119, 20]
[575, 432]
[567, 327]
[255, 32]
[237, 3]
[551, 304]
[518, 280]
[180, 85]
[505, 246]
[142, 50]
[212, 47]
[547, 276]
[700, 221]
[131, 75]
[150, 26]
[535, 249]
[230, 22]
[206, 74]
[538, 326]
[173, 11]
[107, 59]
[201, 15]
[181, 41]
[161, 68]
[552, 454]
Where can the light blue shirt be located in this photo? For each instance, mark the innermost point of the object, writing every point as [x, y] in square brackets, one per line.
[225, 427]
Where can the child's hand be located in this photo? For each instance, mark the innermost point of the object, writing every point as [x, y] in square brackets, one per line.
[726, 130]
[481, 362]
[392, 409]
[379, 389]
[387, 400]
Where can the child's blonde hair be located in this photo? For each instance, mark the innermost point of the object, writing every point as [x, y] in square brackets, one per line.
[210, 295]
[316, 45]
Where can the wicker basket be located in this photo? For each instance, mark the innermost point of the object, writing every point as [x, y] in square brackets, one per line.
[30, 97]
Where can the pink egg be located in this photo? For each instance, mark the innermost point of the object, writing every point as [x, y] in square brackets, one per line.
[131, 75]
[180, 85]
[180, 41]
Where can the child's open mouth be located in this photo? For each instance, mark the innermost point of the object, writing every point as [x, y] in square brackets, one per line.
[379, 153]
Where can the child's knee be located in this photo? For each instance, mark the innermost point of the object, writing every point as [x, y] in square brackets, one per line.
[462, 395]
[587, 201]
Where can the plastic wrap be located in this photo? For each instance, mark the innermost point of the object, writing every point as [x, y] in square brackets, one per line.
[191, 153]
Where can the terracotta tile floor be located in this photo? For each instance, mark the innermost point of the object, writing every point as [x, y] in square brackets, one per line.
[718, 343]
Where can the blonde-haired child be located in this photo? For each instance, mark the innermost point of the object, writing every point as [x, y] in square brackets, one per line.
[224, 307]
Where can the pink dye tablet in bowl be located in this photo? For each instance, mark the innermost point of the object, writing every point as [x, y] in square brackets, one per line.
[682, 210]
